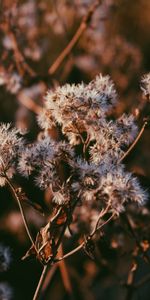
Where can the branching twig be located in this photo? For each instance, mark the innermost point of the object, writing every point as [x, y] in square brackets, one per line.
[83, 243]
[84, 24]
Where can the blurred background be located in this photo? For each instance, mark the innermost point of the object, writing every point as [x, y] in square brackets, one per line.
[116, 42]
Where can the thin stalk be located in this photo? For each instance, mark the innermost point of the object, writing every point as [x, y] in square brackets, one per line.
[134, 143]
[12, 189]
[84, 24]
[83, 243]
[40, 284]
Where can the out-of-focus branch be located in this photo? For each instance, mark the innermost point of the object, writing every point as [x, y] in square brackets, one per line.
[64, 274]
[130, 281]
[29, 103]
[21, 64]
[84, 24]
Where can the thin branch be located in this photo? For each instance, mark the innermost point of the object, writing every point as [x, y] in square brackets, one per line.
[40, 284]
[102, 213]
[84, 24]
[134, 143]
[12, 188]
[21, 64]
[29, 103]
[64, 274]
[83, 243]
[100, 226]
[51, 272]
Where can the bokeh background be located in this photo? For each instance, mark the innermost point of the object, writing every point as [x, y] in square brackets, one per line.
[116, 42]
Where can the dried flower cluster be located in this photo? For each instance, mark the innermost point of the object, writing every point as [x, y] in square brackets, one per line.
[10, 147]
[68, 174]
[83, 165]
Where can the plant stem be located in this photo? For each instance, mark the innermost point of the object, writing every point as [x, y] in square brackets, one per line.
[12, 188]
[134, 143]
[83, 243]
[40, 284]
[84, 23]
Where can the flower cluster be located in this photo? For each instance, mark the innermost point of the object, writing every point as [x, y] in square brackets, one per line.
[95, 177]
[10, 147]
[84, 165]
[47, 160]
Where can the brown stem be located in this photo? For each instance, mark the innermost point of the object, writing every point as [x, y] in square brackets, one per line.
[64, 274]
[83, 243]
[12, 188]
[134, 143]
[40, 284]
[29, 103]
[102, 213]
[84, 24]
[130, 281]
[21, 64]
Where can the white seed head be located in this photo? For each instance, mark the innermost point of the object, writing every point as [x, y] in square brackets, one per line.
[145, 84]
[5, 258]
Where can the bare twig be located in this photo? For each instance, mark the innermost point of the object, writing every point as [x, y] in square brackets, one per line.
[40, 284]
[83, 243]
[64, 274]
[29, 103]
[84, 24]
[134, 143]
[102, 213]
[21, 64]
[14, 193]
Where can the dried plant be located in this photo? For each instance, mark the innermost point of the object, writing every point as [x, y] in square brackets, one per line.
[68, 168]
[83, 170]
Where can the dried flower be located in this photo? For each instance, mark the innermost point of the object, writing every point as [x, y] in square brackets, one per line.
[145, 84]
[43, 159]
[5, 258]
[10, 147]
[83, 165]
[5, 291]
